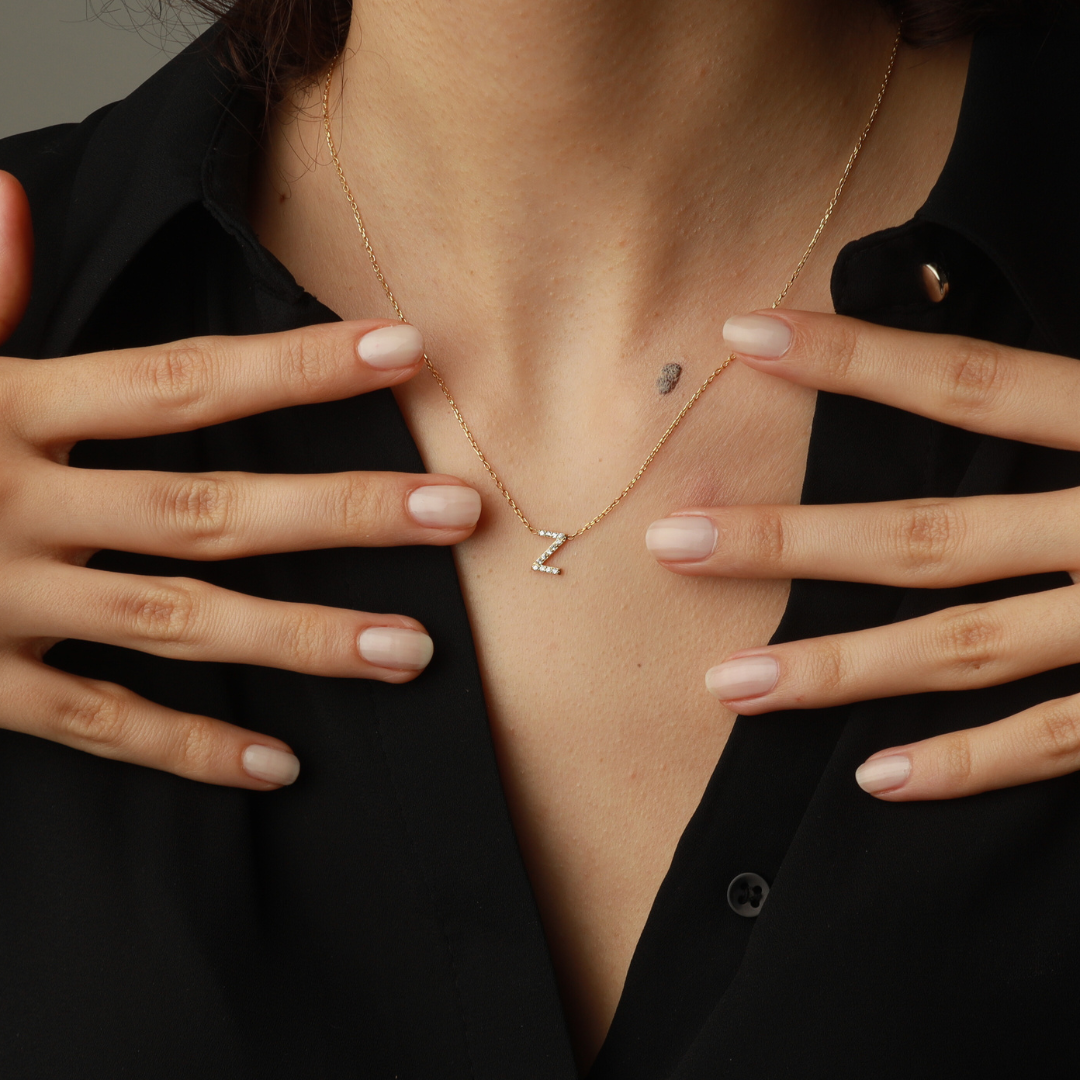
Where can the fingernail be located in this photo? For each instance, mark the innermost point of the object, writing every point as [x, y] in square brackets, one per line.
[681, 539]
[757, 335]
[883, 773]
[391, 647]
[445, 505]
[273, 766]
[743, 677]
[391, 347]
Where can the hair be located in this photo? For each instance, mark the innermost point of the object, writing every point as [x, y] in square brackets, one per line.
[274, 45]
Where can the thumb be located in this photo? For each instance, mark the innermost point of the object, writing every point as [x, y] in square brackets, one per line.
[16, 253]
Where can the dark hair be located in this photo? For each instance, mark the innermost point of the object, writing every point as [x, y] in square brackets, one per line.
[274, 44]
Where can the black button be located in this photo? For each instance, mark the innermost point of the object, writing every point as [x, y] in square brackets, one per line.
[746, 894]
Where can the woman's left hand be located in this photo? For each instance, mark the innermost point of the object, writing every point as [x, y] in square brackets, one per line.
[1030, 397]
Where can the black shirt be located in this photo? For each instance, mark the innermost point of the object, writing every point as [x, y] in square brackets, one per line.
[376, 920]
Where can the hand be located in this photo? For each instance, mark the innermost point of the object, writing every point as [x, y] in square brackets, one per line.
[1026, 396]
[53, 518]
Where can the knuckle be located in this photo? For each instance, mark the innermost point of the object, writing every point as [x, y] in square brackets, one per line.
[955, 759]
[11, 492]
[199, 508]
[828, 666]
[973, 377]
[845, 350]
[767, 537]
[359, 504]
[11, 395]
[1053, 732]
[306, 640]
[163, 613]
[927, 535]
[966, 640]
[99, 717]
[305, 362]
[196, 747]
[178, 375]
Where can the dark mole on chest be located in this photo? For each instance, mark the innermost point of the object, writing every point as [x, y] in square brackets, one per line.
[669, 377]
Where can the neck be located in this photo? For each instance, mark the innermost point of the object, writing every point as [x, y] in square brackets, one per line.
[610, 140]
[546, 91]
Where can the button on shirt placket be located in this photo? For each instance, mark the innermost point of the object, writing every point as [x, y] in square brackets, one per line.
[746, 895]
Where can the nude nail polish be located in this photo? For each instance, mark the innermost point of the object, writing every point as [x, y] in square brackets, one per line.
[391, 347]
[762, 336]
[396, 648]
[743, 677]
[689, 538]
[269, 764]
[884, 773]
[445, 505]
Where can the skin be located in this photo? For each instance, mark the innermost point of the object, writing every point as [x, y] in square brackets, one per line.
[565, 196]
[53, 522]
[1011, 393]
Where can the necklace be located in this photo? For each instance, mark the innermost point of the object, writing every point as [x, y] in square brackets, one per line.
[556, 537]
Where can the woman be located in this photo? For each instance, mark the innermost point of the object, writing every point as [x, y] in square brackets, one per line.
[571, 200]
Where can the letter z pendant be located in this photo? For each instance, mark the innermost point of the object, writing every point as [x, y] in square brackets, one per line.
[540, 564]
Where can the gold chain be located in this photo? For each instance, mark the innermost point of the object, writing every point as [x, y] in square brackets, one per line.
[700, 390]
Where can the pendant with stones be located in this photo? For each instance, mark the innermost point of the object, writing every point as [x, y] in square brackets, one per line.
[541, 563]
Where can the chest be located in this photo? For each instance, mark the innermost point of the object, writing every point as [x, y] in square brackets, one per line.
[594, 678]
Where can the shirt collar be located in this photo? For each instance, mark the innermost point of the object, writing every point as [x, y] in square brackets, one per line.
[1009, 183]
[141, 166]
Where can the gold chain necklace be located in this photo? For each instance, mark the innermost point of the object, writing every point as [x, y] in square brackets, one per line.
[560, 538]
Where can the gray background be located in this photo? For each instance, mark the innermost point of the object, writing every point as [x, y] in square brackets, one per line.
[62, 59]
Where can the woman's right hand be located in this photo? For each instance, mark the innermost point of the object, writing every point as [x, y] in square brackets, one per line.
[54, 517]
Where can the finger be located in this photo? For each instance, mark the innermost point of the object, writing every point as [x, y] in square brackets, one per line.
[187, 619]
[972, 384]
[190, 384]
[231, 515]
[16, 253]
[1037, 744]
[921, 543]
[961, 648]
[110, 721]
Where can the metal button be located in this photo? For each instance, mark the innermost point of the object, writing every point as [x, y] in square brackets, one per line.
[935, 281]
[746, 894]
